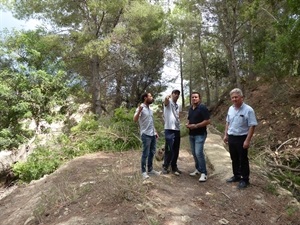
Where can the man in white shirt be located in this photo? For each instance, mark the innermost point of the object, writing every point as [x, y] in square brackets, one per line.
[172, 133]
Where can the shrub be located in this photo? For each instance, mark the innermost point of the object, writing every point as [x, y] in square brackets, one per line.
[117, 133]
[42, 161]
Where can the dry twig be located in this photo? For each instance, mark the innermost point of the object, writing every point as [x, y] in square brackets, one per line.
[226, 195]
[291, 139]
[284, 167]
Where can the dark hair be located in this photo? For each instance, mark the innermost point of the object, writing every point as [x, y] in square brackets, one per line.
[196, 92]
[176, 91]
[143, 96]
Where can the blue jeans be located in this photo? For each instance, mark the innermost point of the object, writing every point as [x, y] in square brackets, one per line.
[149, 148]
[197, 148]
[172, 144]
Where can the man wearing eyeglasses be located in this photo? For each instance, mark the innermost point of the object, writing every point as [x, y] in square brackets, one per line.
[172, 133]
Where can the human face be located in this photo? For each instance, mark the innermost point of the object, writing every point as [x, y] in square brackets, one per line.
[175, 96]
[149, 99]
[195, 99]
[236, 99]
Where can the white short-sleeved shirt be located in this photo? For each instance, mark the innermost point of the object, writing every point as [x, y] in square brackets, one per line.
[171, 116]
[240, 120]
[146, 121]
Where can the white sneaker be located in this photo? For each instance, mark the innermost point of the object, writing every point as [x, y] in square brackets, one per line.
[203, 177]
[145, 175]
[154, 172]
[196, 172]
[176, 173]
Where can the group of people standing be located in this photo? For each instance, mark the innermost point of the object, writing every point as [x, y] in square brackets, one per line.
[239, 129]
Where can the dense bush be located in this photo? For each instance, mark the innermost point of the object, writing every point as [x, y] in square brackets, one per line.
[42, 161]
[116, 133]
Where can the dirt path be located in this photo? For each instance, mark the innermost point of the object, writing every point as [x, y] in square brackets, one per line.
[106, 188]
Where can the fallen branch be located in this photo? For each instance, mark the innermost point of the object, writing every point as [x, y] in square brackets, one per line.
[284, 167]
[291, 139]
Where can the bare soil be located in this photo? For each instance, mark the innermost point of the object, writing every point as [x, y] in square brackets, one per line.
[106, 188]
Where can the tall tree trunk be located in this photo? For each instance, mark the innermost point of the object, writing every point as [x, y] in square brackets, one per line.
[216, 95]
[181, 68]
[233, 65]
[181, 79]
[190, 78]
[96, 90]
[205, 74]
[250, 52]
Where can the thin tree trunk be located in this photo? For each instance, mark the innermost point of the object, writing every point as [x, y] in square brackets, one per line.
[96, 94]
[181, 69]
[181, 80]
[118, 98]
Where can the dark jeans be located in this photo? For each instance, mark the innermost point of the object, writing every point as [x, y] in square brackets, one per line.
[172, 144]
[239, 157]
[149, 148]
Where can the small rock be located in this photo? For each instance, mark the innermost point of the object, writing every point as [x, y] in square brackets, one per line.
[223, 221]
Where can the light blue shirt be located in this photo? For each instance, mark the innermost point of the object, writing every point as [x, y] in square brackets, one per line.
[171, 116]
[146, 121]
[240, 120]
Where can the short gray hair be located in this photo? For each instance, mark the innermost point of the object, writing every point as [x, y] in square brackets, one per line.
[236, 90]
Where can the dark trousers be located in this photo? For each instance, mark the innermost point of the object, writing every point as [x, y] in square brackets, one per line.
[239, 157]
[172, 144]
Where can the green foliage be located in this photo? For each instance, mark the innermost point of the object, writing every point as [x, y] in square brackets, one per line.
[88, 123]
[183, 130]
[291, 210]
[122, 114]
[117, 133]
[271, 188]
[42, 161]
[32, 83]
[289, 177]
[123, 123]
[220, 127]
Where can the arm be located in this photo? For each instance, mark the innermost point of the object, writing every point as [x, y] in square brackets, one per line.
[204, 123]
[249, 136]
[225, 139]
[167, 100]
[156, 134]
[137, 114]
[198, 125]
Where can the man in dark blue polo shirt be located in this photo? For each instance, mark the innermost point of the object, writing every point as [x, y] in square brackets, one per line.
[198, 119]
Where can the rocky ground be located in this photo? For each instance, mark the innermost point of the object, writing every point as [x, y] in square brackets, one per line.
[106, 188]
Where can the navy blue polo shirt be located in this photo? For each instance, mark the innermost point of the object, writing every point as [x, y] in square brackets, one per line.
[197, 115]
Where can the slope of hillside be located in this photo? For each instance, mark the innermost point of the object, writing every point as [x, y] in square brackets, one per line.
[277, 107]
[107, 189]
[276, 142]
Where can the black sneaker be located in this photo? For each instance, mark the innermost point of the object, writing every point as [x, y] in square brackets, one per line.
[243, 184]
[233, 179]
[165, 170]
